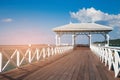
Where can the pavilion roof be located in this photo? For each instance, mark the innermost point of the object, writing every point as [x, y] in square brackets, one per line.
[82, 27]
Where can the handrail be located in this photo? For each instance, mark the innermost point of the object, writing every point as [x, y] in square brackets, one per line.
[29, 56]
[109, 55]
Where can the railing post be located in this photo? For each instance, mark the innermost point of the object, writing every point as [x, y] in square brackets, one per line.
[48, 51]
[44, 53]
[37, 52]
[18, 59]
[52, 51]
[29, 53]
[55, 49]
[0, 62]
[116, 63]
[110, 59]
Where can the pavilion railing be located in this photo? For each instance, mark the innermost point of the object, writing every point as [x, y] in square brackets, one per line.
[110, 56]
[19, 57]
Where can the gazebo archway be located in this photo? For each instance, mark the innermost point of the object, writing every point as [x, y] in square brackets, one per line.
[76, 29]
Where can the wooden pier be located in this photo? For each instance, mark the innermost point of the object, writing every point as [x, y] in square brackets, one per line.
[80, 64]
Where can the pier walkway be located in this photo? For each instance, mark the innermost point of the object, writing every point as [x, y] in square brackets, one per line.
[80, 64]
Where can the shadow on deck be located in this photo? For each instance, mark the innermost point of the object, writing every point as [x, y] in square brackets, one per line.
[80, 64]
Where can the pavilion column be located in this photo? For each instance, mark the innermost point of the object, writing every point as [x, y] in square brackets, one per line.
[89, 36]
[73, 40]
[58, 40]
[107, 39]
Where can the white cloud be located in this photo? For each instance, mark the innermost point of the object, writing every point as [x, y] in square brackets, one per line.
[7, 20]
[93, 15]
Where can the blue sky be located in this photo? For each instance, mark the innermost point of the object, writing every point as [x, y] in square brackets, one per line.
[31, 21]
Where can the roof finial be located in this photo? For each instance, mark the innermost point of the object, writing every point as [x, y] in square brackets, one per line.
[70, 22]
[93, 21]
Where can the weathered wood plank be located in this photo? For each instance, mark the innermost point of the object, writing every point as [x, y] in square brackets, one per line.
[62, 69]
[68, 72]
[56, 69]
[86, 73]
[76, 71]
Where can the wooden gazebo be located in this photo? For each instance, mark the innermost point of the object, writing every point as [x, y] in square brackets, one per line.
[76, 29]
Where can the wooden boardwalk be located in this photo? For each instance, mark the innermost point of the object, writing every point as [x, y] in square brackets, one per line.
[80, 64]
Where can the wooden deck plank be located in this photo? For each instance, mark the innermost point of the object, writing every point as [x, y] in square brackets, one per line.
[76, 71]
[62, 69]
[68, 72]
[46, 70]
[74, 66]
[56, 69]
[80, 74]
[94, 62]
[81, 64]
[86, 73]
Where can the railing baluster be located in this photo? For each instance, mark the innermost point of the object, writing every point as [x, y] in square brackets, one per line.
[44, 53]
[0, 62]
[18, 58]
[37, 54]
[48, 51]
[29, 55]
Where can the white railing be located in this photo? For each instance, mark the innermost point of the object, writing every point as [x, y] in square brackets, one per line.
[18, 57]
[110, 56]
